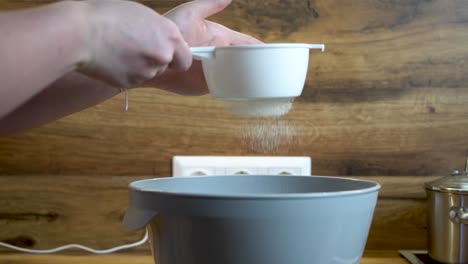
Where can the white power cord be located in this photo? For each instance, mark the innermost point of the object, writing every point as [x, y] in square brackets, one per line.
[95, 251]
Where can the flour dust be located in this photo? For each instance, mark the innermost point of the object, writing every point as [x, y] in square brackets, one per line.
[261, 107]
[266, 127]
[267, 134]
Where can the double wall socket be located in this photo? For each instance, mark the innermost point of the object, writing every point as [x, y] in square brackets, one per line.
[240, 165]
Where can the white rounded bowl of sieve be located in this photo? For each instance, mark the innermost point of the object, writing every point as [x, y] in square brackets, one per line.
[255, 72]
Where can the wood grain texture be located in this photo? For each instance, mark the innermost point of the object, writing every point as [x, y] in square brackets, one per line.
[48, 211]
[388, 97]
[370, 257]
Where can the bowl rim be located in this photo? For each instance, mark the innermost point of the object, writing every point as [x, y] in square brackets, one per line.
[269, 45]
[262, 46]
[134, 187]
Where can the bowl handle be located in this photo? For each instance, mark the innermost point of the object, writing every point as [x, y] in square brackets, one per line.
[203, 53]
[137, 218]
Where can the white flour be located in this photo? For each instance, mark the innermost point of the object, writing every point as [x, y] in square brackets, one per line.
[266, 129]
[267, 134]
[261, 108]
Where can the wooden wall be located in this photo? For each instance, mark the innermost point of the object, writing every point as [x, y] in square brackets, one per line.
[388, 101]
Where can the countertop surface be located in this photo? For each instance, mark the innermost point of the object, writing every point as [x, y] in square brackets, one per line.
[370, 257]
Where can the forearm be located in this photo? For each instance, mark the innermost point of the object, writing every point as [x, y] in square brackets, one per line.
[71, 93]
[75, 92]
[37, 47]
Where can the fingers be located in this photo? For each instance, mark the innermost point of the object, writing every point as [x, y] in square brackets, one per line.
[206, 8]
[182, 59]
[238, 38]
[228, 36]
[170, 49]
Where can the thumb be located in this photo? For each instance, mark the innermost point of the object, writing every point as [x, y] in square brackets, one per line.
[206, 8]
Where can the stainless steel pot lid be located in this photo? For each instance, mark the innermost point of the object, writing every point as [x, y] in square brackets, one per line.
[456, 183]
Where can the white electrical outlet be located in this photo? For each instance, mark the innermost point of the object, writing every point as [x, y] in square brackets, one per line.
[240, 165]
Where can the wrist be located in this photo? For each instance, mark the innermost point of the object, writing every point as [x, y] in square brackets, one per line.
[80, 32]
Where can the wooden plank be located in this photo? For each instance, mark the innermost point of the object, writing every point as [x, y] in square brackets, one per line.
[382, 257]
[45, 212]
[388, 97]
[49, 211]
[399, 224]
[392, 138]
[400, 187]
[75, 259]
[372, 257]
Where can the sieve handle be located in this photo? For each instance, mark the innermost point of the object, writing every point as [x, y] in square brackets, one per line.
[317, 46]
[203, 53]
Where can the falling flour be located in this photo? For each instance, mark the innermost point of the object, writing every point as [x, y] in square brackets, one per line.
[261, 108]
[267, 134]
[266, 129]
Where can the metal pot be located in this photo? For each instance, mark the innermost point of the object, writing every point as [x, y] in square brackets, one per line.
[448, 218]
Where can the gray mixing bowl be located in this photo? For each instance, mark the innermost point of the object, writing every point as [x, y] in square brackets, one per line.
[254, 219]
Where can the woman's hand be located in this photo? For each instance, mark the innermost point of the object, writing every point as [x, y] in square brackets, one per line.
[197, 31]
[129, 43]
